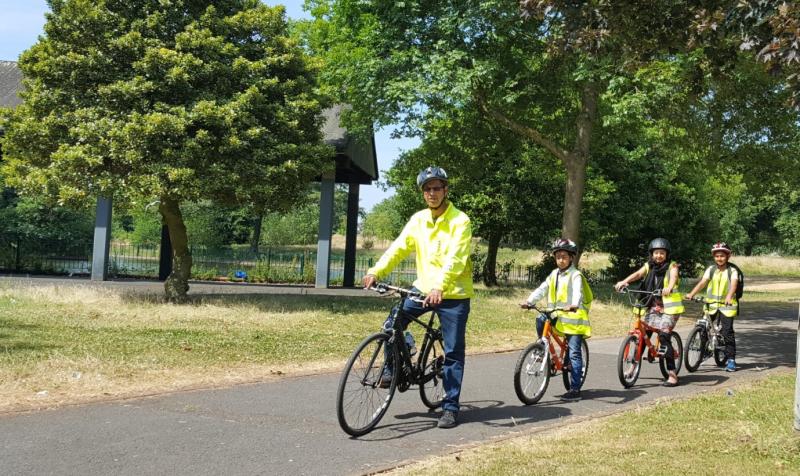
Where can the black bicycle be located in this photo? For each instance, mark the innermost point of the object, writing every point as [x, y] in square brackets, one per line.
[706, 338]
[382, 364]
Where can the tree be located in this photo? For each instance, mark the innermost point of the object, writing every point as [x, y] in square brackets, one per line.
[497, 179]
[542, 78]
[178, 101]
[385, 221]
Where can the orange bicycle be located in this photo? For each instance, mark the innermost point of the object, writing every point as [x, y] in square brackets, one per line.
[539, 361]
[637, 344]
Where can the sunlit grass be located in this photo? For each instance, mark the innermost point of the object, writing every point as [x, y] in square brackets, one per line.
[83, 342]
[743, 430]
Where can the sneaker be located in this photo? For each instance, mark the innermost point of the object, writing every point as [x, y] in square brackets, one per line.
[730, 366]
[447, 420]
[571, 396]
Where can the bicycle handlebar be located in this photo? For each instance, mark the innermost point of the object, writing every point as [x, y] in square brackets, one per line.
[626, 290]
[383, 288]
[547, 312]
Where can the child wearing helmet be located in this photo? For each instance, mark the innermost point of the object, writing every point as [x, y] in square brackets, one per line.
[721, 282]
[659, 273]
[566, 288]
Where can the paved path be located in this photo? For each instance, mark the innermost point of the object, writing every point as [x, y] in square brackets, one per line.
[289, 426]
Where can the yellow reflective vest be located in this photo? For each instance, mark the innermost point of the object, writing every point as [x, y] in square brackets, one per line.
[442, 249]
[717, 289]
[673, 304]
[559, 294]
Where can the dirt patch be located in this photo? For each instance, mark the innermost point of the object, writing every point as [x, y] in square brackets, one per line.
[774, 286]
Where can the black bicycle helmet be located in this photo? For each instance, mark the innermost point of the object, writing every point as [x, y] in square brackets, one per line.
[565, 244]
[660, 244]
[431, 173]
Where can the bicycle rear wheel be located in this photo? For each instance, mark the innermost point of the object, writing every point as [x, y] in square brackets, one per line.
[431, 387]
[360, 400]
[567, 375]
[628, 365]
[532, 373]
[696, 348]
[677, 352]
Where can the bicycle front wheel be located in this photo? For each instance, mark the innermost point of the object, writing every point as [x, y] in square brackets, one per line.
[677, 353]
[431, 386]
[567, 374]
[532, 373]
[360, 401]
[628, 365]
[696, 348]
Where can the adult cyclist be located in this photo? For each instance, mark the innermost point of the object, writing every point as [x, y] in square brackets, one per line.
[441, 237]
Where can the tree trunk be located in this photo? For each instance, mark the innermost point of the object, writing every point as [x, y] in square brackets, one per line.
[256, 239]
[490, 265]
[576, 162]
[177, 284]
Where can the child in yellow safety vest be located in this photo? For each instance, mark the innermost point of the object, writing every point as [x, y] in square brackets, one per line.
[663, 313]
[722, 281]
[566, 288]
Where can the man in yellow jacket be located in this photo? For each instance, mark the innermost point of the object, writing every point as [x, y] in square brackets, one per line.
[441, 237]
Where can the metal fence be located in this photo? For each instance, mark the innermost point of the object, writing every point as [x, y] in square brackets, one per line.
[267, 266]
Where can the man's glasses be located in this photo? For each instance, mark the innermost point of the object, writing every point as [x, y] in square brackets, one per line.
[432, 189]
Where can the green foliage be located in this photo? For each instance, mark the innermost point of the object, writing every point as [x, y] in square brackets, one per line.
[41, 225]
[186, 99]
[384, 222]
[300, 225]
[788, 223]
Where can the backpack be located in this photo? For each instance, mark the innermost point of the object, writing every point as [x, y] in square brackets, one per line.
[740, 284]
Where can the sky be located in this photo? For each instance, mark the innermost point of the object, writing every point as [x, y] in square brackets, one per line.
[22, 22]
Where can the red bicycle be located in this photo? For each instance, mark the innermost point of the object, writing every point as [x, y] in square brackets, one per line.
[539, 361]
[638, 344]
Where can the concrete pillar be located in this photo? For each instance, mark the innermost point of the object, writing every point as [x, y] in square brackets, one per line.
[325, 231]
[351, 236]
[102, 239]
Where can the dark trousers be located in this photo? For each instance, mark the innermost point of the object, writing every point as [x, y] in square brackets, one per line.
[453, 314]
[728, 335]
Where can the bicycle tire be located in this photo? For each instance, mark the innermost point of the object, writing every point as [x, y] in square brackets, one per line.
[696, 351]
[567, 375]
[628, 365]
[360, 402]
[677, 349]
[533, 367]
[431, 387]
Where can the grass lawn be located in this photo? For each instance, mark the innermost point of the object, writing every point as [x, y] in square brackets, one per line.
[745, 429]
[62, 344]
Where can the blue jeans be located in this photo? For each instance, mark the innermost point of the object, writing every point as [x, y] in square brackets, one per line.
[453, 314]
[575, 357]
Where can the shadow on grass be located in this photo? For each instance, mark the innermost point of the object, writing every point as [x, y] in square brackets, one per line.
[18, 337]
[277, 302]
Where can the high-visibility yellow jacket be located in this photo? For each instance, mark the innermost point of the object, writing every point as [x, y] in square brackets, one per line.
[717, 290]
[559, 294]
[673, 304]
[442, 252]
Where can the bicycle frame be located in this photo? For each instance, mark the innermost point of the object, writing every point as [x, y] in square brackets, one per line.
[557, 359]
[640, 329]
[411, 372]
